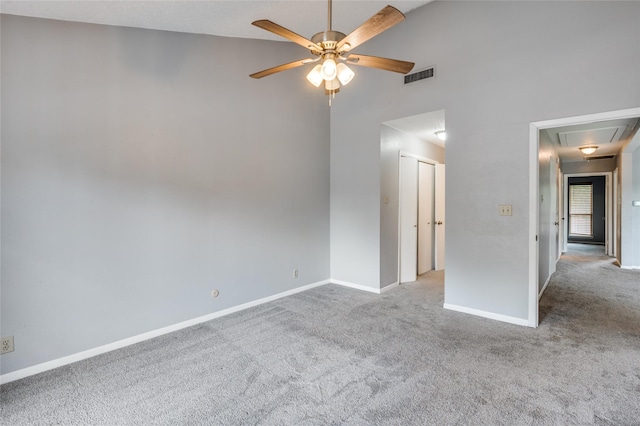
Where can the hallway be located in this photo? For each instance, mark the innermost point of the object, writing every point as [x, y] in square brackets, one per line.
[585, 250]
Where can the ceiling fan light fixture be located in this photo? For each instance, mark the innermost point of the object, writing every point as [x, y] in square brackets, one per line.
[345, 74]
[315, 76]
[331, 46]
[329, 69]
[332, 85]
[588, 150]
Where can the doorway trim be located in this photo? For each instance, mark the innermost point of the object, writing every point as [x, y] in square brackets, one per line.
[534, 214]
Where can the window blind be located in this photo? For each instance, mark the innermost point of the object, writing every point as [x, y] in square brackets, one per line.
[581, 209]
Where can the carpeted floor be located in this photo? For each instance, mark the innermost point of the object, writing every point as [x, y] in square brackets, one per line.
[333, 355]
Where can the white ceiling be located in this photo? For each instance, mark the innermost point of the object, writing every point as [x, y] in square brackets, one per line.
[609, 136]
[422, 126]
[222, 18]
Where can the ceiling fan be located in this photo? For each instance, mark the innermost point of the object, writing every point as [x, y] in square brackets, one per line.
[332, 49]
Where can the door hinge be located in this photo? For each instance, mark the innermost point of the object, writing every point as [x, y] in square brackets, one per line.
[536, 238]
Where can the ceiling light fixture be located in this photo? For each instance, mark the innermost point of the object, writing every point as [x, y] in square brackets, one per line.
[329, 68]
[588, 150]
[442, 135]
[332, 50]
[345, 74]
[315, 76]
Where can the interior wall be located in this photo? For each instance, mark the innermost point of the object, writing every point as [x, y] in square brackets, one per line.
[593, 166]
[635, 230]
[392, 142]
[143, 169]
[630, 228]
[493, 78]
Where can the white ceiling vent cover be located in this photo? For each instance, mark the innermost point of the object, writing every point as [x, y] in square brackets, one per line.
[602, 136]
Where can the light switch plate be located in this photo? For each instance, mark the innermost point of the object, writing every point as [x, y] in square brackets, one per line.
[505, 210]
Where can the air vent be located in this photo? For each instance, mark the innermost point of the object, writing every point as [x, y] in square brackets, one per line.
[602, 157]
[420, 75]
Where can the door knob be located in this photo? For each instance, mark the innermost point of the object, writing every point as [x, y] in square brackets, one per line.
[556, 223]
[439, 222]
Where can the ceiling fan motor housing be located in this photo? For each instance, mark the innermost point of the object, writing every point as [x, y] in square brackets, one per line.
[328, 39]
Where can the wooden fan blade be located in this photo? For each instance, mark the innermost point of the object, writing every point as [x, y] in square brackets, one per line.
[381, 21]
[394, 65]
[288, 34]
[282, 67]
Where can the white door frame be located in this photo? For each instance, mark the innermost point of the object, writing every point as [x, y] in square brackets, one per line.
[608, 209]
[534, 214]
[419, 158]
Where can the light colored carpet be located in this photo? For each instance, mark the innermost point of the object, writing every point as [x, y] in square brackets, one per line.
[338, 356]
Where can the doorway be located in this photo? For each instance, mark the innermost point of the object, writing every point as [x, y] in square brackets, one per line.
[421, 224]
[417, 136]
[602, 210]
[535, 228]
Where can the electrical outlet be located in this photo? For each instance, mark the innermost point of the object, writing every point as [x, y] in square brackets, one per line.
[505, 210]
[295, 273]
[6, 345]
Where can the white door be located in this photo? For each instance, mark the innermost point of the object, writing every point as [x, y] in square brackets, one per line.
[614, 216]
[553, 218]
[560, 218]
[426, 177]
[439, 216]
[408, 219]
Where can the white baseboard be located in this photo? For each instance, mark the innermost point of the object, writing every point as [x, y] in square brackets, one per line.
[50, 365]
[629, 267]
[389, 287]
[485, 314]
[356, 286]
[544, 287]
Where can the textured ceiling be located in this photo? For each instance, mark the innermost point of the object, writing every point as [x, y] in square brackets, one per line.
[223, 18]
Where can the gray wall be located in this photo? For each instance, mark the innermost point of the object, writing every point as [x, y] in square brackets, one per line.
[593, 166]
[635, 230]
[629, 217]
[498, 70]
[141, 170]
[392, 142]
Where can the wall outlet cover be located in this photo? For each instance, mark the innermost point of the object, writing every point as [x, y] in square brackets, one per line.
[6, 345]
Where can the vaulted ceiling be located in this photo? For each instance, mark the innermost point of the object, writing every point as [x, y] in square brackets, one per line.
[233, 19]
[222, 18]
